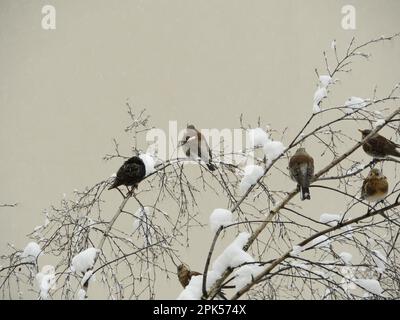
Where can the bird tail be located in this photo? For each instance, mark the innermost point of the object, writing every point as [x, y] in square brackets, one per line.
[304, 193]
[211, 167]
[114, 185]
[396, 153]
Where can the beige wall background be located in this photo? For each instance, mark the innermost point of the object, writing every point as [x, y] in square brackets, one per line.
[63, 92]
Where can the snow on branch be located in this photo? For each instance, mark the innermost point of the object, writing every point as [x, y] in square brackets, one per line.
[131, 239]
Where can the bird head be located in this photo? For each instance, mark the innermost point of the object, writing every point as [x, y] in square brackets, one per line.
[365, 132]
[301, 150]
[375, 173]
[182, 267]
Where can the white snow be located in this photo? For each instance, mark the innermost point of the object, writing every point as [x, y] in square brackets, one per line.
[380, 260]
[330, 219]
[349, 232]
[149, 162]
[300, 265]
[356, 167]
[346, 257]
[354, 103]
[46, 280]
[321, 273]
[193, 290]
[316, 108]
[296, 251]
[232, 257]
[88, 275]
[245, 274]
[251, 175]
[325, 81]
[370, 285]
[84, 260]
[220, 218]
[272, 150]
[81, 294]
[319, 94]
[378, 123]
[347, 282]
[31, 252]
[321, 242]
[257, 137]
[140, 214]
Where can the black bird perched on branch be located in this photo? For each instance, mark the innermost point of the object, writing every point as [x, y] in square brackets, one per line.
[301, 169]
[195, 146]
[379, 147]
[130, 174]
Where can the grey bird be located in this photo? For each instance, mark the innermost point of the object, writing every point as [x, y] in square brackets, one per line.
[301, 169]
[195, 146]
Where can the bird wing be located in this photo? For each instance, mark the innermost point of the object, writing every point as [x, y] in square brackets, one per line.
[363, 188]
[205, 147]
[381, 143]
[129, 171]
[310, 168]
[390, 146]
[301, 169]
[204, 150]
[374, 186]
[382, 185]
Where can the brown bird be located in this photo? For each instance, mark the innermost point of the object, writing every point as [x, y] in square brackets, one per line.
[185, 274]
[301, 169]
[379, 147]
[375, 186]
[195, 146]
[130, 174]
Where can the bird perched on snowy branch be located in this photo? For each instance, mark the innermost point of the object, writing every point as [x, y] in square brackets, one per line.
[195, 146]
[130, 174]
[185, 274]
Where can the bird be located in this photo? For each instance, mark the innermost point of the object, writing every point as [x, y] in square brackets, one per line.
[195, 146]
[185, 274]
[378, 146]
[301, 169]
[375, 186]
[130, 174]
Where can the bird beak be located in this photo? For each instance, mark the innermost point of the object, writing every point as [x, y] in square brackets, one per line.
[360, 130]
